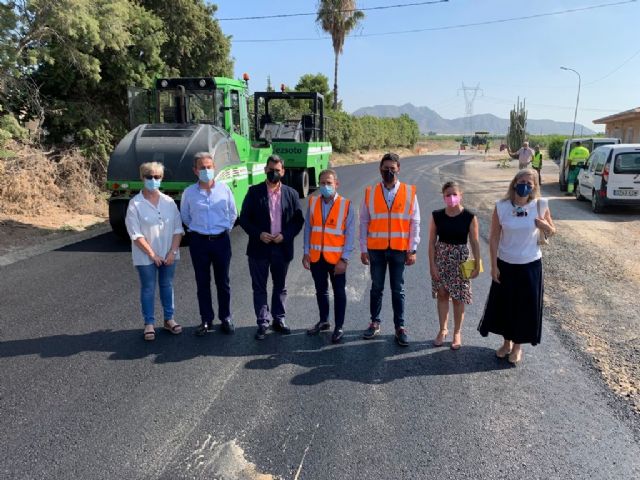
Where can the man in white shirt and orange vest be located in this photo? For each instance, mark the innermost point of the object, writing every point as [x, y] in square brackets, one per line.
[389, 237]
[328, 243]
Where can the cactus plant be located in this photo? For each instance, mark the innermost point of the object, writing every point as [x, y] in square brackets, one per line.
[517, 126]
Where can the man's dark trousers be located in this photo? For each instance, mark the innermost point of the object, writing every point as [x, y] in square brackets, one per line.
[378, 262]
[259, 269]
[539, 175]
[322, 271]
[205, 251]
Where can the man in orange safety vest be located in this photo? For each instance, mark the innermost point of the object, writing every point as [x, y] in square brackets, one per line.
[328, 243]
[389, 237]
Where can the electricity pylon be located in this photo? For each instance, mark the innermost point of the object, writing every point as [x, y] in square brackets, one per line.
[470, 94]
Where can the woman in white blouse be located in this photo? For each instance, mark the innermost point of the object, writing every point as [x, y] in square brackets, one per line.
[514, 305]
[155, 228]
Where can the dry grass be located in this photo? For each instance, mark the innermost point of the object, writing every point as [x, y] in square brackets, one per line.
[36, 183]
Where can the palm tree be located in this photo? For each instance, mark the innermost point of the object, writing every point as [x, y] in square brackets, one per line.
[338, 18]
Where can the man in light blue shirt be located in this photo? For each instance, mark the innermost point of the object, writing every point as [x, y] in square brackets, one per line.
[329, 233]
[209, 212]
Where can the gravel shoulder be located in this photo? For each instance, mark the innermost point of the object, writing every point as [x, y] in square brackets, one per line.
[591, 274]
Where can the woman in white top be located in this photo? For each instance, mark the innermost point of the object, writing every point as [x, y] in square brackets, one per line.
[514, 305]
[155, 228]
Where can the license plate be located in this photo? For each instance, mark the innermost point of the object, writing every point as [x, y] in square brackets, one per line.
[626, 193]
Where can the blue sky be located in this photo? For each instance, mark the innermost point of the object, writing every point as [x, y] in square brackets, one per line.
[518, 58]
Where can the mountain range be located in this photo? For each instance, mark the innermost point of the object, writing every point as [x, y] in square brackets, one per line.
[429, 121]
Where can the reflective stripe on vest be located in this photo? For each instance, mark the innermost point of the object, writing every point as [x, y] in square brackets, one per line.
[328, 237]
[389, 227]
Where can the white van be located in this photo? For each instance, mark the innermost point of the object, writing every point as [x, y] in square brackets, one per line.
[611, 176]
[590, 143]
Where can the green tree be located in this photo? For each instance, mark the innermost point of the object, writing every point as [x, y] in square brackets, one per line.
[75, 58]
[87, 64]
[315, 83]
[195, 43]
[338, 18]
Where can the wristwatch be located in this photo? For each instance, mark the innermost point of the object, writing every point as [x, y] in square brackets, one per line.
[411, 252]
[345, 260]
[175, 252]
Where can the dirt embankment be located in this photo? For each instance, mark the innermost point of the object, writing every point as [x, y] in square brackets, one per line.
[46, 194]
[592, 278]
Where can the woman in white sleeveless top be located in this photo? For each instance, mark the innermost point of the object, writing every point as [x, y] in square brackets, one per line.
[514, 305]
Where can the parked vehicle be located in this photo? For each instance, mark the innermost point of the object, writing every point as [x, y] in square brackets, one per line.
[590, 143]
[611, 176]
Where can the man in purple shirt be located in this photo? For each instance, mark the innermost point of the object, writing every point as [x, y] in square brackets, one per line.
[272, 217]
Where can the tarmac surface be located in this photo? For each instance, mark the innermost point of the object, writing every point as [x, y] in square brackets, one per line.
[83, 396]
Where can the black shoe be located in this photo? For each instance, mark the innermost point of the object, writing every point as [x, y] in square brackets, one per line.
[319, 327]
[281, 327]
[202, 329]
[262, 332]
[228, 327]
[401, 337]
[337, 336]
[372, 331]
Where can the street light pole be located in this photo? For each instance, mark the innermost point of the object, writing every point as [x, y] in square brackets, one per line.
[577, 99]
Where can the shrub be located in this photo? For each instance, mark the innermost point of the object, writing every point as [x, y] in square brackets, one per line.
[555, 147]
[5, 136]
[348, 133]
[8, 123]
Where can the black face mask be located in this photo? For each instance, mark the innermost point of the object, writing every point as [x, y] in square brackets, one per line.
[388, 175]
[273, 176]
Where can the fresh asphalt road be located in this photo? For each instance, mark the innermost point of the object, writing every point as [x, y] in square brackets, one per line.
[83, 396]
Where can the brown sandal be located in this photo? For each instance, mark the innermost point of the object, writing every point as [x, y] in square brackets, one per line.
[149, 336]
[176, 329]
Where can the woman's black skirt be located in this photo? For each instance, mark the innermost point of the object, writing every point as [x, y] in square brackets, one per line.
[514, 306]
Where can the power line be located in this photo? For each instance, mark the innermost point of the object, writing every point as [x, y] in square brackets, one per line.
[615, 69]
[447, 27]
[351, 10]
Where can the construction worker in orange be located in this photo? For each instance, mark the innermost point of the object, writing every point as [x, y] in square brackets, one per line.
[389, 237]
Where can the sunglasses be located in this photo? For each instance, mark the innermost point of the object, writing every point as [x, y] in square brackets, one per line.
[155, 177]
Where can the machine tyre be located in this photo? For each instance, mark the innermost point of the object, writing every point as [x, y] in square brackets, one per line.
[117, 215]
[301, 182]
[596, 203]
[579, 196]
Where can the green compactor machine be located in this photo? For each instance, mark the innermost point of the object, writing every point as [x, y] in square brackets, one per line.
[183, 116]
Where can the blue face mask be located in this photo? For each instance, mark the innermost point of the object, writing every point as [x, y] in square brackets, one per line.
[152, 183]
[206, 174]
[327, 191]
[523, 189]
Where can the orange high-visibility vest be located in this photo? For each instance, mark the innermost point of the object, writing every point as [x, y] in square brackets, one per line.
[328, 237]
[389, 227]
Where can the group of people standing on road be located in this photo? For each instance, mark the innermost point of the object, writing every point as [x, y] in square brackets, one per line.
[389, 235]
